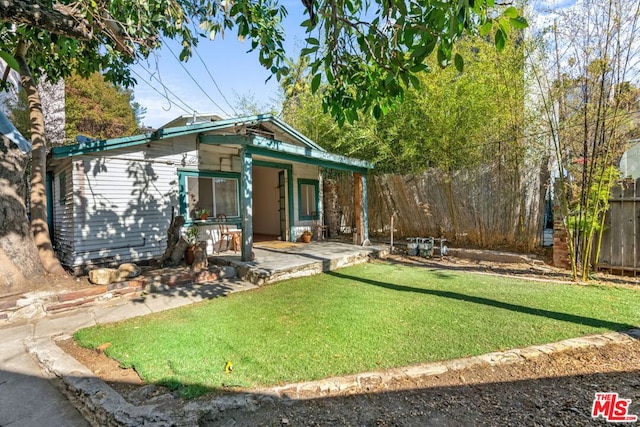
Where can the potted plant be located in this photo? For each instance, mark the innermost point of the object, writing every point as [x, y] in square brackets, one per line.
[306, 236]
[191, 237]
[203, 214]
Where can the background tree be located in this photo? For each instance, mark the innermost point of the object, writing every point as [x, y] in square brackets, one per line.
[453, 124]
[98, 109]
[585, 75]
[450, 121]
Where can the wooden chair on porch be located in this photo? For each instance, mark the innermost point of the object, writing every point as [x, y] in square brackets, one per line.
[319, 229]
[230, 236]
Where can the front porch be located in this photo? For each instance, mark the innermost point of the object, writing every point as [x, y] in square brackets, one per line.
[279, 260]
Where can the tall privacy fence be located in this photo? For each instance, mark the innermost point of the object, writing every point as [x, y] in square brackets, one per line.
[620, 247]
[486, 207]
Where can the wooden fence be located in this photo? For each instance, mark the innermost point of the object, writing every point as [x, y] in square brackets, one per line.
[486, 206]
[620, 248]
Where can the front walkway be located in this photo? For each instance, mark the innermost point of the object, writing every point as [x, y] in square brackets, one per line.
[278, 260]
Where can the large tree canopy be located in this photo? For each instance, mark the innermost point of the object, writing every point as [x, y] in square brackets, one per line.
[367, 52]
[98, 109]
[452, 121]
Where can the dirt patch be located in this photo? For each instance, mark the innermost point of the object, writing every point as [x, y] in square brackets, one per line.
[48, 284]
[552, 390]
[109, 370]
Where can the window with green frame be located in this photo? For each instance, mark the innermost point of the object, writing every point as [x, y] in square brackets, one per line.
[308, 198]
[218, 193]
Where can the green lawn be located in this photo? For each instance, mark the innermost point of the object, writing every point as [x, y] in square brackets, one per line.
[361, 318]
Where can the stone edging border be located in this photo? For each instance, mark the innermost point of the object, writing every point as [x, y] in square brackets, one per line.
[102, 405]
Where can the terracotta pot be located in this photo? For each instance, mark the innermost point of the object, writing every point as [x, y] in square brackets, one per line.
[189, 255]
[204, 217]
[306, 238]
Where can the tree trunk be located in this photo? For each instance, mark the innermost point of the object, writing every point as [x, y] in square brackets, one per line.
[19, 259]
[59, 19]
[173, 237]
[38, 203]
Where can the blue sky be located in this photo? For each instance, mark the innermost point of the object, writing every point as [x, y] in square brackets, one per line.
[236, 72]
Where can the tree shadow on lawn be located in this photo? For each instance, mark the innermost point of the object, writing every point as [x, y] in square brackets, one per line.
[565, 317]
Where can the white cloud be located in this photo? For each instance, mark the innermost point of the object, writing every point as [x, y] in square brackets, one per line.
[553, 5]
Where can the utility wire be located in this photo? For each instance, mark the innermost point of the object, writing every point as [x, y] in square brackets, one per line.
[195, 81]
[188, 109]
[214, 81]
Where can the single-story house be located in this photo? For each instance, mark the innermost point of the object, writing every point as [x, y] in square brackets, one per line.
[112, 200]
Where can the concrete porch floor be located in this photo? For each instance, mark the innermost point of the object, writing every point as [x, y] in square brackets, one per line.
[277, 260]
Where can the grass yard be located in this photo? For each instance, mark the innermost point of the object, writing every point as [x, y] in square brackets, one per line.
[368, 317]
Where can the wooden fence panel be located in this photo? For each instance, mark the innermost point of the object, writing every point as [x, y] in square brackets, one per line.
[620, 248]
[486, 206]
[628, 224]
[606, 250]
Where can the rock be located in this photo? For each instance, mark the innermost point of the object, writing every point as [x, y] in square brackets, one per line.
[102, 347]
[128, 271]
[144, 393]
[227, 272]
[104, 276]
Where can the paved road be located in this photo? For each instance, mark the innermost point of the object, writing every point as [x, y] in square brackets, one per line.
[27, 397]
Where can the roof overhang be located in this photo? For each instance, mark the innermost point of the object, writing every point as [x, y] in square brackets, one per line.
[306, 152]
[279, 150]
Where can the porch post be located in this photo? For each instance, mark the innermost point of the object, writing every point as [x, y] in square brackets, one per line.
[246, 204]
[365, 215]
[359, 202]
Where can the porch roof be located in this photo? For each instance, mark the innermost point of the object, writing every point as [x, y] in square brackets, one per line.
[307, 152]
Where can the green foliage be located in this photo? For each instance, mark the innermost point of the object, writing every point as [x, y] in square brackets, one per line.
[590, 112]
[394, 45]
[598, 198]
[191, 235]
[367, 54]
[450, 120]
[98, 109]
[126, 30]
[368, 317]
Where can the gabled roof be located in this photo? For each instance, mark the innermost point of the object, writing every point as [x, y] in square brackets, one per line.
[94, 146]
[186, 119]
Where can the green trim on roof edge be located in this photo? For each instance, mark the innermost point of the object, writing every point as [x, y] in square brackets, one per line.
[283, 151]
[163, 133]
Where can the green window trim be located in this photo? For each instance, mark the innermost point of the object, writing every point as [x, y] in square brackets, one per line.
[184, 175]
[307, 207]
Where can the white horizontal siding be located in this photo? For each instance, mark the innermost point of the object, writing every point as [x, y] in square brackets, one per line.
[211, 235]
[214, 158]
[123, 201]
[63, 214]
